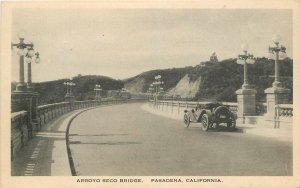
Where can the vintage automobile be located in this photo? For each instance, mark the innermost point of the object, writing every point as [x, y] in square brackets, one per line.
[211, 115]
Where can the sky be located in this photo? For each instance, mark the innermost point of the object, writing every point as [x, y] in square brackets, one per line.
[121, 43]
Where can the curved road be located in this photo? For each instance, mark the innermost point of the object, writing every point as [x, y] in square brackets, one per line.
[124, 140]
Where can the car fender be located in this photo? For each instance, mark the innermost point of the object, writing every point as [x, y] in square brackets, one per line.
[191, 114]
[208, 112]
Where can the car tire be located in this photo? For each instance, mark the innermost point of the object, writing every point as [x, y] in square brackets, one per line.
[186, 120]
[205, 122]
[231, 123]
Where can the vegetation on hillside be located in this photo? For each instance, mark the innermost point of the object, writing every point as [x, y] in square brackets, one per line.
[54, 91]
[219, 80]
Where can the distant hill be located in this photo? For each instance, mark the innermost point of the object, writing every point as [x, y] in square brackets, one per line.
[54, 91]
[214, 80]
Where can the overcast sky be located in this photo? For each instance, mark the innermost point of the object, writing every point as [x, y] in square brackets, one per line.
[122, 43]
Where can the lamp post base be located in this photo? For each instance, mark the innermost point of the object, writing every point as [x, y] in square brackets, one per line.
[246, 102]
[29, 88]
[21, 87]
[69, 98]
[98, 98]
[276, 84]
[276, 95]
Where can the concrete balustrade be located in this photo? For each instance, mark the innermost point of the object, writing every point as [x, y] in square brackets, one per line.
[282, 116]
[23, 128]
[284, 110]
[19, 131]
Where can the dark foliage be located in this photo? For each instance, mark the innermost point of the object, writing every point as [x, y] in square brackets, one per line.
[54, 91]
[221, 80]
[218, 80]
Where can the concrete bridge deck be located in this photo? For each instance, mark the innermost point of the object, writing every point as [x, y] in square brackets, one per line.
[111, 141]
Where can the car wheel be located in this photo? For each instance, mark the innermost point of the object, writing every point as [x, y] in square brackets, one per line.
[186, 120]
[205, 122]
[231, 123]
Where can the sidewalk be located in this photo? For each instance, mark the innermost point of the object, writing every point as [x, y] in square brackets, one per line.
[284, 133]
[46, 153]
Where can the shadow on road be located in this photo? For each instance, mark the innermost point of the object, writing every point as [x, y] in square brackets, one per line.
[221, 128]
[105, 143]
[98, 134]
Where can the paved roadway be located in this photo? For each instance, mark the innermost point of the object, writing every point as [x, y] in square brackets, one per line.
[125, 140]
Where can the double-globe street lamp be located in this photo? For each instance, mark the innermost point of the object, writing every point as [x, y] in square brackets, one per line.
[277, 53]
[24, 98]
[97, 90]
[24, 49]
[150, 91]
[246, 95]
[69, 84]
[276, 94]
[29, 59]
[245, 59]
[157, 83]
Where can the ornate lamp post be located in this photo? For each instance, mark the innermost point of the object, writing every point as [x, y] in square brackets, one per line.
[245, 59]
[157, 83]
[20, 98]
[69, 84]
[246, 95]
[161, 91]
[29, 59]
[22, 50]
[125, 94]
[150, 90]
[97, 90]
[276, 94]
[277, 52]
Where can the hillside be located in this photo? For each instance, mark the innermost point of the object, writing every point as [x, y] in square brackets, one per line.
[214, 80]
[54, 91]
[208, 80]
[185, 87]
[141, 82]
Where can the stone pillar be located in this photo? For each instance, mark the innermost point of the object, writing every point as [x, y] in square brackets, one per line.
[246, 102]
[26, 101]
[276, 95]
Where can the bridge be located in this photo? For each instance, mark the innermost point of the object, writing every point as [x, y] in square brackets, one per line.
[110, 137]
[124, 136]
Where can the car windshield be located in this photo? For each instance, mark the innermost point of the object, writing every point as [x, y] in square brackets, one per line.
[208, 105]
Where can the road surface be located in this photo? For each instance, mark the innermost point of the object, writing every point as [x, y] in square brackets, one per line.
[124, 140]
